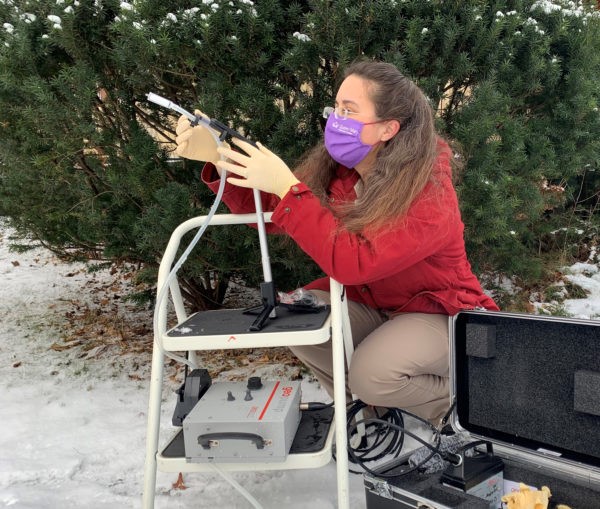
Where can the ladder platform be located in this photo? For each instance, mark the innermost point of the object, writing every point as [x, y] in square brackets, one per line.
[229, 328]
[311, 448]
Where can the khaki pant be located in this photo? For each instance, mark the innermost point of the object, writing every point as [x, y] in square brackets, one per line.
[397, 363]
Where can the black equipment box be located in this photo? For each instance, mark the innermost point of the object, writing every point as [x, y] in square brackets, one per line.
[530, 385]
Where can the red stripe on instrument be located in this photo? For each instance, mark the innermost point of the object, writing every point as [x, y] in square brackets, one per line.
[264, 410]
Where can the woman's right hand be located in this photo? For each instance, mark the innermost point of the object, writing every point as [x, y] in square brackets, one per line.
[196, 142]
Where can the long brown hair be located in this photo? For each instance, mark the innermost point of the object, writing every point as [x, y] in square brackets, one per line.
[404, 164]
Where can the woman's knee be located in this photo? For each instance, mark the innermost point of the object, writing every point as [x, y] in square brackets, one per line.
[369, 383]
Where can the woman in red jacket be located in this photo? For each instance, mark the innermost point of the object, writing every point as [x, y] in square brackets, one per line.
[374, 206]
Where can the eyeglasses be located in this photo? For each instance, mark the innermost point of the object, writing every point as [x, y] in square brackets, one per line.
[343, 114]
[339, 113]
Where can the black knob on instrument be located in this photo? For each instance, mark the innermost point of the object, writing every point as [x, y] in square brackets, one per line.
[254, 383]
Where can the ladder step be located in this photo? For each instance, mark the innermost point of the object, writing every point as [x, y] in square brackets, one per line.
[236, 322]
[229, 329]
[311, 448]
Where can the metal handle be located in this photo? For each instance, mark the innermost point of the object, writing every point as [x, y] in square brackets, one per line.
[205, 440]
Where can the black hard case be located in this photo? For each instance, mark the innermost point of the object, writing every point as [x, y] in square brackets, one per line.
[529, 384]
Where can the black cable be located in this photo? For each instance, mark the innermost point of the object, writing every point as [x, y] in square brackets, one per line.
[315, 406]
[364, 452]
[377, 432]
[393, 419]
[452, 458]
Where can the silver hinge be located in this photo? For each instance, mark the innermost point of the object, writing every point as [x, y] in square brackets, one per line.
[382, 488]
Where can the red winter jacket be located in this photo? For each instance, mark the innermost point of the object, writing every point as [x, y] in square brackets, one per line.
[420, 265]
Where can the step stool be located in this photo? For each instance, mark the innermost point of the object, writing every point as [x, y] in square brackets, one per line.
[292, 330]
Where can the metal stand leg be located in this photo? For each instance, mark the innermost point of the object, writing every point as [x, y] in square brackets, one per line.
[156, 379]
[339, 396]
[349, 349]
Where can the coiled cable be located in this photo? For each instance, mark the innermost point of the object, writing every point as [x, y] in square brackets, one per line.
[385, 437]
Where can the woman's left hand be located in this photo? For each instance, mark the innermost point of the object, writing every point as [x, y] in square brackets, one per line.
[259, 167]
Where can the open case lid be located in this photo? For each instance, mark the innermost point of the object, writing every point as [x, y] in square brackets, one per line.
[529, 381]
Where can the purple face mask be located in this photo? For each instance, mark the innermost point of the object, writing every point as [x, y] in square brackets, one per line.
[342, 141]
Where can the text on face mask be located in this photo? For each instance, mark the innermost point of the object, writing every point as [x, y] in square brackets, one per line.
[344, 128]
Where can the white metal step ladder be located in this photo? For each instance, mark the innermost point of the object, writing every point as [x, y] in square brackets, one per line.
[335, 325]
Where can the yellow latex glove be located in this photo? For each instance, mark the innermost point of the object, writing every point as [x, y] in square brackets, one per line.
[259, 167]
[526, 498]
[196, 142]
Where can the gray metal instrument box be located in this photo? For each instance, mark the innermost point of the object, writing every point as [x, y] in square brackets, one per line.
[530, 385]
[232, 423]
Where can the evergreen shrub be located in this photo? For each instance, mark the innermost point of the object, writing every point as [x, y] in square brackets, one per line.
[85, 166]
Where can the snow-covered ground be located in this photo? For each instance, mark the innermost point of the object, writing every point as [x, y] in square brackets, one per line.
[73, 422]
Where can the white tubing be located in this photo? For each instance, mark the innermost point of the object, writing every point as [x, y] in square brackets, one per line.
[245, 493]
[160, 312]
